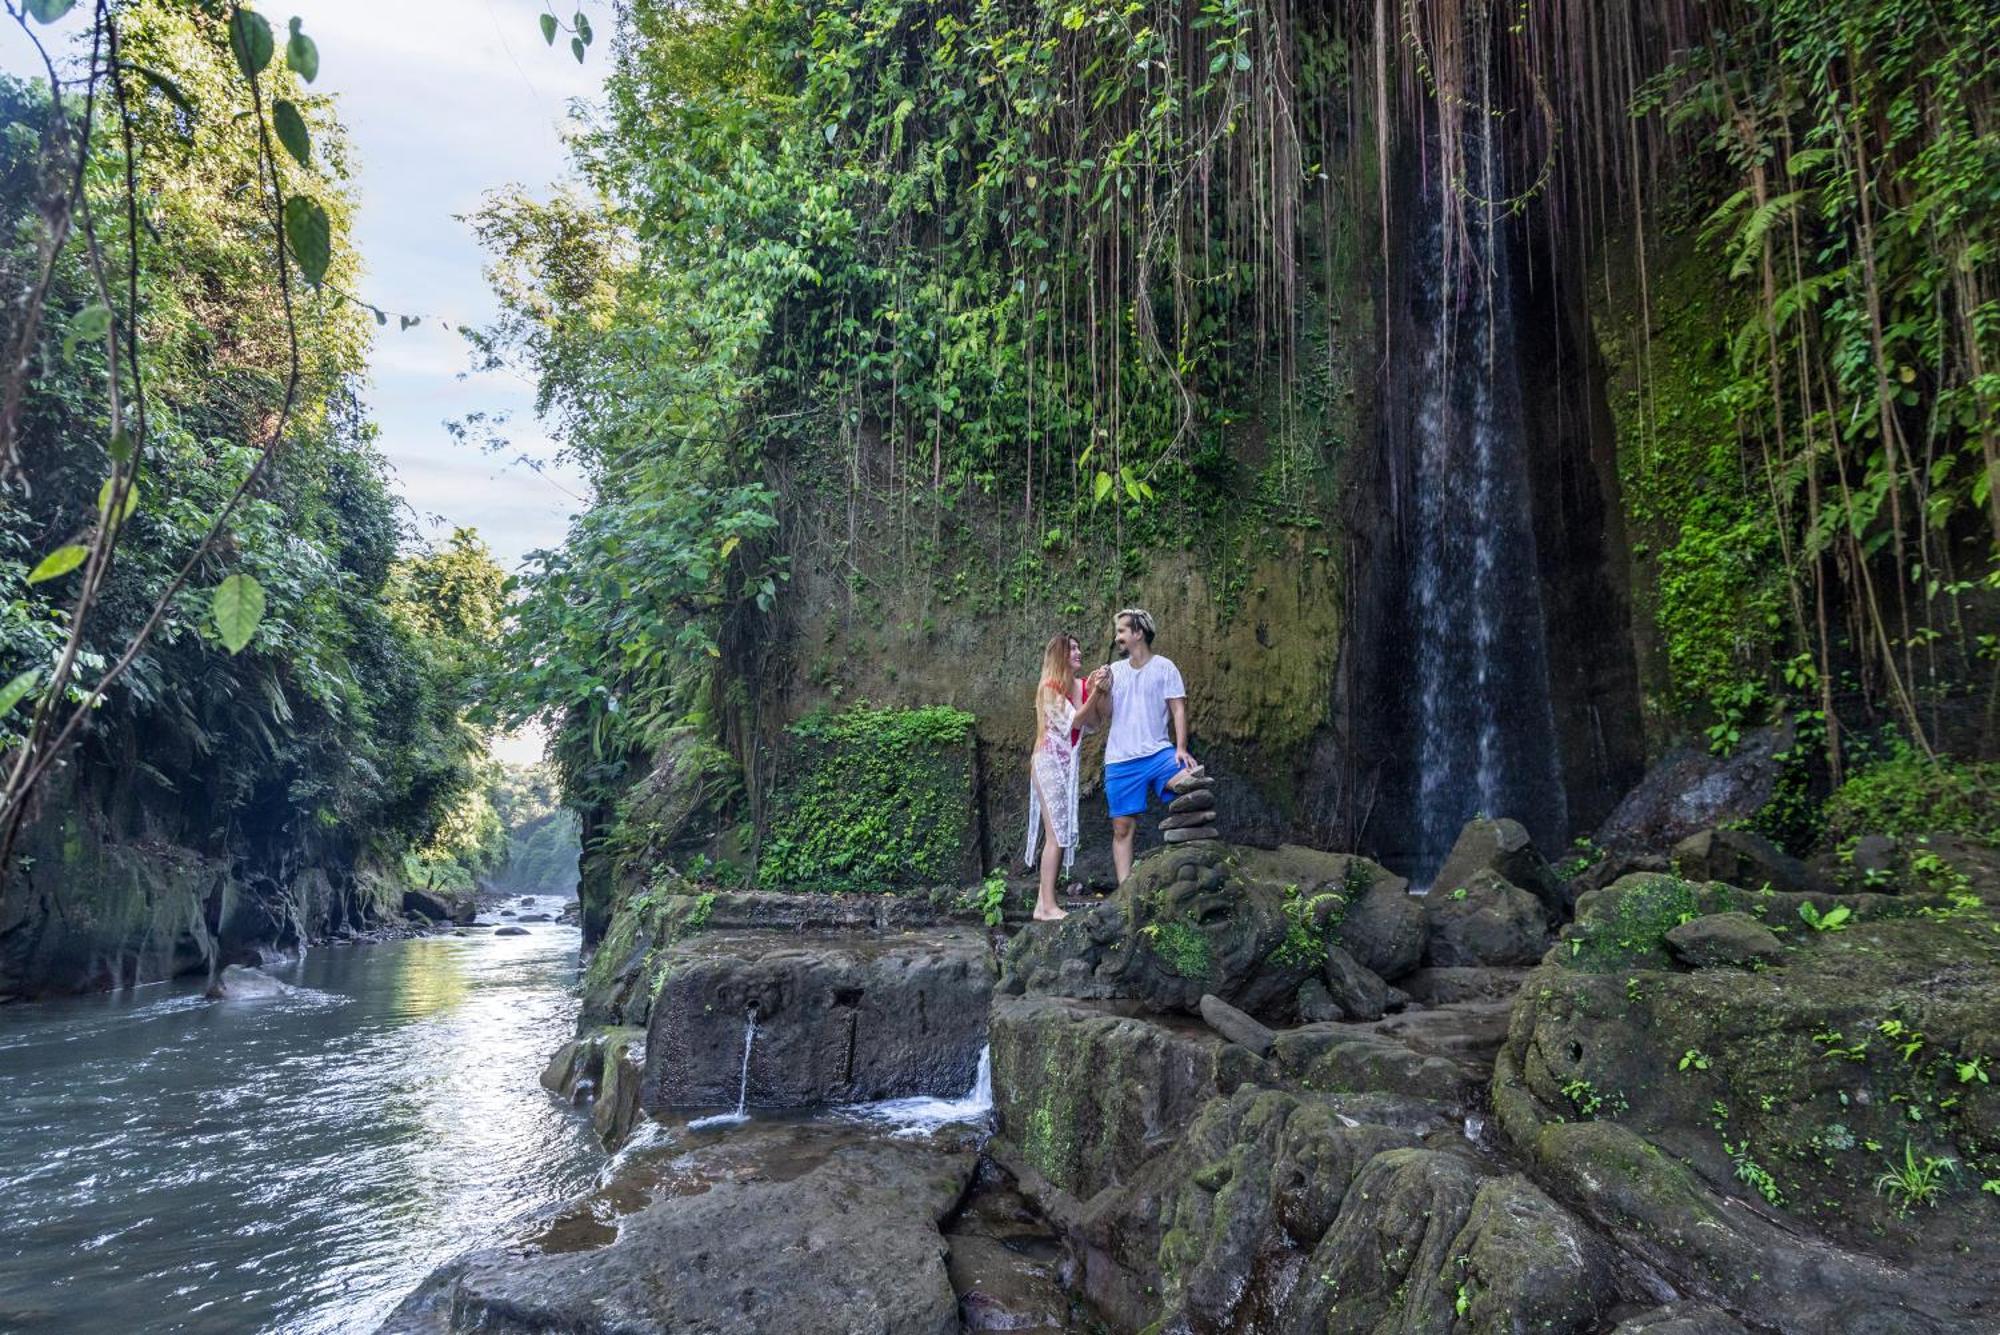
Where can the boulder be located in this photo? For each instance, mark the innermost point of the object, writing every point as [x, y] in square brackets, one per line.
[838, 1019]
[1486, 921]
[1690, 790]
[1081, 1135]
[1235, 1026]
[711, 1238]
[1724, 940]
[439, 906]
[1247, 925]
[1188, 820]
[1384, 928]
[1824, 1074]
[1316, 1004]
[1877, 861]
[1742, 858]
[1189, 834]
[1504, 848]
[511, 931]
[1354, 988]
[1443, 987]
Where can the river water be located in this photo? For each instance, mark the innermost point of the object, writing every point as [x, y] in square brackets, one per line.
[294, 1162]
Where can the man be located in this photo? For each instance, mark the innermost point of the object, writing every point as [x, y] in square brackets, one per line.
[1145, 694]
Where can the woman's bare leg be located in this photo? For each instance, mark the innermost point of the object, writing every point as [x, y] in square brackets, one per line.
[1046, 909]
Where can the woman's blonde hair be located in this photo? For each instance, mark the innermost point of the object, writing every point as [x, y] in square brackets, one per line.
[1056, 671]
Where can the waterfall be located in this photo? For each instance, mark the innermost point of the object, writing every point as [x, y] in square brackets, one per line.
[923, 1114]
[1482, 726]
[742, 1113]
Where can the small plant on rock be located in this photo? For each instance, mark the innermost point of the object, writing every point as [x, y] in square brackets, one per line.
[1915, 1181]
[993, 897]
[1833, 920]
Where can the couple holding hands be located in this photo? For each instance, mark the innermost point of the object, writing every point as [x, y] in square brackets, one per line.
[1140, 692]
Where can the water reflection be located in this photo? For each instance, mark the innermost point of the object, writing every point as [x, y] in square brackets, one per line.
[292, 1162]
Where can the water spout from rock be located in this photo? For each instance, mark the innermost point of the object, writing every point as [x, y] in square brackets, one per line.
[742, 1113]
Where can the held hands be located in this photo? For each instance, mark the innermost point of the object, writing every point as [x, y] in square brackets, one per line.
[1100, 679]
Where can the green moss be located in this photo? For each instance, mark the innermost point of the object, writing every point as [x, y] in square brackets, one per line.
[1182, 947]
[1709, 569]
[877, 798]
[1628, 926]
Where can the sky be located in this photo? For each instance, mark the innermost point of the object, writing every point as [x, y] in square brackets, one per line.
[443, 100]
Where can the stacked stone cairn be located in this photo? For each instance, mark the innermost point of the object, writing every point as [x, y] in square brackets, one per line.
[1191, 815]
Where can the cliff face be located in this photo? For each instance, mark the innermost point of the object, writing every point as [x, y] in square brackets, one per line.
[103, 900]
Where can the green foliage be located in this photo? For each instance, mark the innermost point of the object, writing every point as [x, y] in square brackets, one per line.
[283, 712]
[879, 798]
[1833, 920]
[1905, 793]
[993, 897]
[1180, 946]
[1811, 428]
[1634, 932]
[1916, 1181]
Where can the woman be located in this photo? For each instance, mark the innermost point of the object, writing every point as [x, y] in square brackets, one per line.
[1052, 767]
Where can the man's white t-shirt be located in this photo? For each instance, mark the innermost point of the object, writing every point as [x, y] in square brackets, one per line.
[1139, 724]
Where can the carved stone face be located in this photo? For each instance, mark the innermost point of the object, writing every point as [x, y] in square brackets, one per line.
[1246, 924]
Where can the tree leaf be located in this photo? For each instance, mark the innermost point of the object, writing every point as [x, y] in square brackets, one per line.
[1103, 488]
[250, 41]
[576, 48]
[239, 606]
[59, 562]
[292, 131]
[729, 545]
[120, 447]
[16, 690]
[104, 502]
[549, 29]
[310, 237]
[172, 91]
[582, 26]
[86, 326]
[48, 11]
[302, 54]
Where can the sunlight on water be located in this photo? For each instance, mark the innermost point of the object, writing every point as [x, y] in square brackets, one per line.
[295, 1161]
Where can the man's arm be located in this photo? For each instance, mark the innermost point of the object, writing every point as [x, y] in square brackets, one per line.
[1098, 707]
[1177, 709]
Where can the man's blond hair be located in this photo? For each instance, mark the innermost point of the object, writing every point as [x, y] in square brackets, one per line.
[1141, 618]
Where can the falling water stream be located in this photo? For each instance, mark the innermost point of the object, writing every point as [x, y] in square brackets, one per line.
[742, 1113]
[1484, 735]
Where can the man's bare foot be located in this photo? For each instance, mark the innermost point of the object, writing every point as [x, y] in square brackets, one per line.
[1052, 915]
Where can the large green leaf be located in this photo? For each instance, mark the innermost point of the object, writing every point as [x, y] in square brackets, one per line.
[302, 54]
[48, 11]
[239, 606]
[250, 41]
[549, 29]
[310, 236]
[59, 562]
[292, 131]
[16, 690]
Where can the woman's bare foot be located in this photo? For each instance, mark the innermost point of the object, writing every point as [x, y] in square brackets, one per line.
[1049, 915]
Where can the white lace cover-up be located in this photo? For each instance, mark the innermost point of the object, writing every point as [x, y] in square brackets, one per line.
[1052, 772]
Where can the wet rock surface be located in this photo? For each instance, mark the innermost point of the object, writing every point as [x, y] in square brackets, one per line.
[840, 1019]
[768, 1227]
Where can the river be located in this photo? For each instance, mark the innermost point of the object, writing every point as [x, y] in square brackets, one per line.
[295, 1162]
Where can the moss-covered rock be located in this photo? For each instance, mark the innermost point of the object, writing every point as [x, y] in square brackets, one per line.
[1806, 1139]
[1246, 924]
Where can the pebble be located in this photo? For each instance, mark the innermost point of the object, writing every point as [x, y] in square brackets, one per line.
[1198, 800]
[1190, 833]
[1188, 820]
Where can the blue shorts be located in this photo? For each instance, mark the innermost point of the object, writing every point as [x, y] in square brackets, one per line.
[1130, 784]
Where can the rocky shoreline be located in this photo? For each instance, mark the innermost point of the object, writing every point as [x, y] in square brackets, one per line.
[1698, 1090]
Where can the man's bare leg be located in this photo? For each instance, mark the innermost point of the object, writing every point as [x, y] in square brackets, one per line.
[1123, 828]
